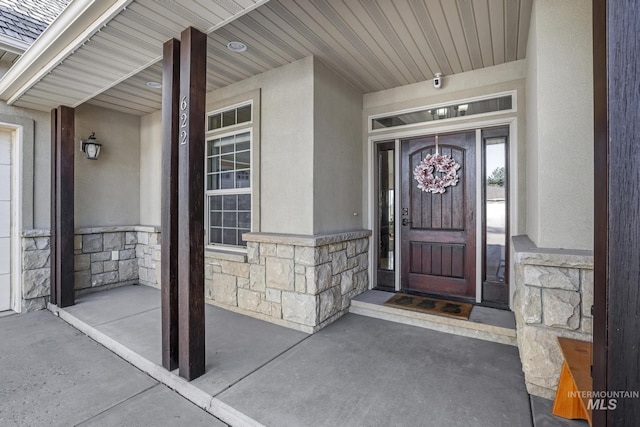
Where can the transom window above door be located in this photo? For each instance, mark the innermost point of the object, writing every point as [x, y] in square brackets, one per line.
[500, 103]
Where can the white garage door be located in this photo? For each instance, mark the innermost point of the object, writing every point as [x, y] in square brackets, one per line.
[5, 220]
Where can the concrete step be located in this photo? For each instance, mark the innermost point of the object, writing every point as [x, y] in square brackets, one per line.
[484, 323]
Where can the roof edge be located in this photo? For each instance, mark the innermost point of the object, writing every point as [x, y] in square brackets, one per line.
[13, 45]
[80, 20]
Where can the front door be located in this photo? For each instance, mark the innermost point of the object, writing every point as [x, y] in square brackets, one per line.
[439, 230]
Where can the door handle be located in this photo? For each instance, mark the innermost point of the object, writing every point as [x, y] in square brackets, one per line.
[405, 222]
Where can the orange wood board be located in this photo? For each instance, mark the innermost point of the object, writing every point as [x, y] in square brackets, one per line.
[575, 377]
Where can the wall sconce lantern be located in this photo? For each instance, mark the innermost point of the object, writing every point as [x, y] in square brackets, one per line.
[91, 147]
[463, 109]
[442, 112]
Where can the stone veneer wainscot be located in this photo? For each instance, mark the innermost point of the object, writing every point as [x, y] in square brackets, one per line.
[301, 282]
[104, 257]
[553, 298]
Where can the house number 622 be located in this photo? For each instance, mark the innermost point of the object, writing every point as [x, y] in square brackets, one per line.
[183, 121]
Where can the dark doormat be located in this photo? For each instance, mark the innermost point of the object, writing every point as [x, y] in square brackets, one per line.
[459, 310]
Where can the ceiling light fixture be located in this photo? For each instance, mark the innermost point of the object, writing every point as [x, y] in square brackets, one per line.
[235, 46]
[155, 85]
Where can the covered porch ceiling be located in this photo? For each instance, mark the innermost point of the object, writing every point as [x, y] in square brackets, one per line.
[105, 54]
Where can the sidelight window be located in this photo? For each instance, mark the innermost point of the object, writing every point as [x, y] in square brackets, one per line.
[385, 183]
[496, 217]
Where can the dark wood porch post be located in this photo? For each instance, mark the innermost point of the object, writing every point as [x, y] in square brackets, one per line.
[169, 268]
[52, 222]
[64, 221]
[616, 334]
[193, 55]
[599, 368]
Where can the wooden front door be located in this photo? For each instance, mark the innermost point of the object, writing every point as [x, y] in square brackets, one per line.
[439, 230]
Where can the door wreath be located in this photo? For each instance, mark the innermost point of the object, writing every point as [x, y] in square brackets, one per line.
[446, 168]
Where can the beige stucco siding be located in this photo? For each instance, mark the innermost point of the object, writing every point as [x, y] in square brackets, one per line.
[286, 149]
[150, 168]
[337, 154]
[560, 125]
[107, 190]
[308, 160]
[36, 168]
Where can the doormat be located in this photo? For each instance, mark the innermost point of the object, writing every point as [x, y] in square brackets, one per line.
[459, 310]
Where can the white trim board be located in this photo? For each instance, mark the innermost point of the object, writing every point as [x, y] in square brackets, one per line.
[15, 135]
[16, 222]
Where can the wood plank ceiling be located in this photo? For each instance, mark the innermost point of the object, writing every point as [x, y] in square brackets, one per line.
[373, 44]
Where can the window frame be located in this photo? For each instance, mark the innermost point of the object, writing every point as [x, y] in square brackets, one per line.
[514, 108]
[235, 107]
[224, 132]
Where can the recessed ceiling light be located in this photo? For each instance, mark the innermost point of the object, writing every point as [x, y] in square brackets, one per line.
[236, 46]
[155, 85]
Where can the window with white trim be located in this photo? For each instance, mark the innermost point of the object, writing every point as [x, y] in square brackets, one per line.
[228, 187]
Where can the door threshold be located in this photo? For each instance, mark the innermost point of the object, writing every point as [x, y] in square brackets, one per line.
[484, 323]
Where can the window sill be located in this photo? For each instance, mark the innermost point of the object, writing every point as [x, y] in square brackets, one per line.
[225, 255]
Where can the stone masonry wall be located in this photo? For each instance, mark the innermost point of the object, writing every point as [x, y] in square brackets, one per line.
[35, 270]
[300, 282]
[553, 298]
[104, 257]
[148, 255]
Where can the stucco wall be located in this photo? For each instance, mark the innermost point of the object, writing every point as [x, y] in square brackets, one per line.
[560, 125]
[285, 152]
[286, 158]
[337, 154]
[532, 203]
[107, 190]
[150, 168]
[41, 158]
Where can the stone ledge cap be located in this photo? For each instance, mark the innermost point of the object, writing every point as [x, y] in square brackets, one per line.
[45, 232]
[225, 255]
[526, 252]
[306, 240]
[39, 232]
[117, 228]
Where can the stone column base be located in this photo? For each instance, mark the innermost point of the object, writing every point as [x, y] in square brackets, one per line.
[301, 282]
[553, 298]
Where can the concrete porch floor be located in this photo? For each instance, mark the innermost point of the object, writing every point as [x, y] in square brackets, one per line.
[358, 371]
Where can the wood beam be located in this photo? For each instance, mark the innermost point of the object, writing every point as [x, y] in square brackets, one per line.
[169, 214]
[601, 200]
[623, 247]
[52, 212]
[64, 206]
[617, 209]
[191, 203]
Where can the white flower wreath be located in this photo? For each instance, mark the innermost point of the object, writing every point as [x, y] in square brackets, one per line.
[428, 182]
